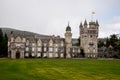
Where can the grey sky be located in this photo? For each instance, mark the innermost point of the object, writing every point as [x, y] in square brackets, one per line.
[51, 16]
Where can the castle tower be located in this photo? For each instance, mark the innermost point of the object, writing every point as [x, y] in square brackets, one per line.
[68, 41]
[88, 38]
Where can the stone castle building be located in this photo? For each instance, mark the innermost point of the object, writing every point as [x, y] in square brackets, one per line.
[55, 46]
[89, 38]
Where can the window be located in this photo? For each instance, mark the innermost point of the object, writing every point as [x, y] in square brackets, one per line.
[73, 50]
[39, 49]
[56, 44]
[27, 43]
[27, 49]
[61, 54]
[33, 54]
[33, 44]
[50, 44]
[93, 50]
[56, 55]
[33, 49]
[45, 54]
[50, 49]
[91, 55]
[26, 54]
[38, 54]
[88, 50]
[62, 44]
[45, 49]
[56, 49]
[50, 55]
[78, 50]
[39, 44]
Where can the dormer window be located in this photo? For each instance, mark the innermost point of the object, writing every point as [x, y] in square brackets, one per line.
[39, 44]
[50, 44]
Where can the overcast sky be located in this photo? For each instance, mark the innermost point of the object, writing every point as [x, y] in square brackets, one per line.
[51, 16]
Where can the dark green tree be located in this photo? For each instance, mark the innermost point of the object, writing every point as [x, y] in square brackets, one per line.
[113, 40]
[1, 42]
[5, 45]
[100, 44]
[107, 42]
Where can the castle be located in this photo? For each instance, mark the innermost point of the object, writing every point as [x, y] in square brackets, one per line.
[55, 46]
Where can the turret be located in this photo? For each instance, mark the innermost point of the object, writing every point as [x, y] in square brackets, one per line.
[97, 24]
[68, 28]
[68, 41]
[85, 23]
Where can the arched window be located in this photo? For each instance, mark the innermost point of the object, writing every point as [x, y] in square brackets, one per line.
[27, 43]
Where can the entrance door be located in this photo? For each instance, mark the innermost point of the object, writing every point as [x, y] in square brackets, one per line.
[17, 54]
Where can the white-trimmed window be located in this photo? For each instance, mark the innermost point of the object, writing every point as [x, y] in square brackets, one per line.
[51, 49]
[91, 55]
[56, 49]
[45, 49]
[33, 44]
[27, 49]
[26, 54]
[62, 44]
[93, 50]
[78, 50]
[88, 50]
[61, 55]
[39, 49]
[33, 54]
[50, 55]
[50, 44]
[73, 50]
[38, 54]
[56, 44]
[27, 43]
[18, 45]
[39, 44]
[45, 54]
[56, 54]
[33, 49]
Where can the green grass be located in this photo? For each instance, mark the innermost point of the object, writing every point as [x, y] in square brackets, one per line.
[59, 69]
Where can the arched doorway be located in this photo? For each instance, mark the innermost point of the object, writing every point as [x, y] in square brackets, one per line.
[17, 54]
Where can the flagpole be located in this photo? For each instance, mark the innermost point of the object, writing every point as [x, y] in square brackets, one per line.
[92, 15]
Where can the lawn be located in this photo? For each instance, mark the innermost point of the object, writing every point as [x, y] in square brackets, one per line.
[59, 69]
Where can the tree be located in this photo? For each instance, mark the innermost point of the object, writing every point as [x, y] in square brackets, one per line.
[113, 40]
[100, 44]
[1, 42]
[5, 45]
[107, 42]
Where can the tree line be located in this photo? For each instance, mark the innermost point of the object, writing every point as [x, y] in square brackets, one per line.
[3, 44]
[113, 40]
